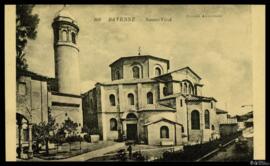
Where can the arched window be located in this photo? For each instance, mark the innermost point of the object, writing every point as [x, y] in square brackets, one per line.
[157, 71]
[130, 99]
[213, 127]
[113, 124]
[195, 120]
[64, 35]
[112, 100]
[131, 116]
[117, 75]
[165, 91]
[149, 98]
[164, 132]
[136, 72]
[207, 119]
[185, 88]
[73, 37]
[190, 89]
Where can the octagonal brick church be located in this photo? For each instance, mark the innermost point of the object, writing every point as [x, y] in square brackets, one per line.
[145, 103]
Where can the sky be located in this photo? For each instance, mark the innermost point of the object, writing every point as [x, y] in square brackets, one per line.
[213, 40]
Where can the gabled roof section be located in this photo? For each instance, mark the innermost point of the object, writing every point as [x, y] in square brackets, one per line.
[181, 69]
[162, 119]
[172, 96]
[220, 111]
[189, 97]
[157, 107]
[199, 98]
[34, 75]
[142, 56]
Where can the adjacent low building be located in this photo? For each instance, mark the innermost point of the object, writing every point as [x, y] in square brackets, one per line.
[227, 125]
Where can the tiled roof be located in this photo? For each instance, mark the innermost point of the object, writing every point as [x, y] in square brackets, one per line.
[189, 97]
[124, 81]
[199, 98]
[156, 107]
[184, 68]
[220, 111]
[161, 119]
[64, 13]
[141, 56]
[172, 96]
[33, 75]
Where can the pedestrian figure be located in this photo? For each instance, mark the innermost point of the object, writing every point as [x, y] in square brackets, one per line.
[129, 151]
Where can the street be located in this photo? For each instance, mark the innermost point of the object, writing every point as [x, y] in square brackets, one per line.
[231, 153]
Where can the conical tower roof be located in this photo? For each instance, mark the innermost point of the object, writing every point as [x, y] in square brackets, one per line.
[65, 17]
[64, 13]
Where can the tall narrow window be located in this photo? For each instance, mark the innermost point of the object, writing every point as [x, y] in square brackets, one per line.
[112, 100]
[207, 119]
[113, 124]
[157, 71]
[182, 129]
[195, 120]
[64, 35]
[117, 75]
[185, 88]
[131, 99]
[73, 37]
[211, 104]
[149, 98]
[190, 89]
[136, 72]
[165, 91]
[181, 102]
[164, 132]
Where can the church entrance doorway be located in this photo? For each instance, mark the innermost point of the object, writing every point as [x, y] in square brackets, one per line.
[131, 127]
[131, 131]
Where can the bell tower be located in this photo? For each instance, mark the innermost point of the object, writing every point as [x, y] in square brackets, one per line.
[66, 53]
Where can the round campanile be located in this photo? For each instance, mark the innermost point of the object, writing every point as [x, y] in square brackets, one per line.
[66, 53]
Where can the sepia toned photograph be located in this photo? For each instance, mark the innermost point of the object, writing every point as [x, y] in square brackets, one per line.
[134, 83]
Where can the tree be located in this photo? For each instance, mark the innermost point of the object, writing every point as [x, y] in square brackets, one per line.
[42, 132]
[26, 25]
[70, 128]
[59, 137]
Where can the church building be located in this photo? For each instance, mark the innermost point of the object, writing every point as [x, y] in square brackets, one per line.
[143, 102]
[146, 103]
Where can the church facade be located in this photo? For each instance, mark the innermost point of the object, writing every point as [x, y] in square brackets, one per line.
[145, 103]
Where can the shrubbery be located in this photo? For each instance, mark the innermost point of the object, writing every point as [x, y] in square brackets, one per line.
[87, 138]
[194, 152]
